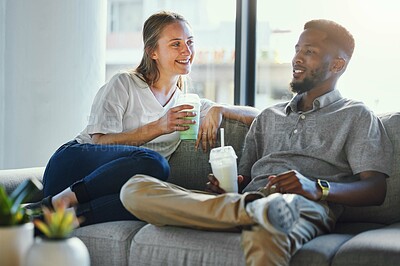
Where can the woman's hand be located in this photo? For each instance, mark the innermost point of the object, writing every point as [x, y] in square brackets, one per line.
[176, 119]
[208, 129]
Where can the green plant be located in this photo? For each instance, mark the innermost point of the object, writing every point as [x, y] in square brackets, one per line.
[11, 211]
[57, 224]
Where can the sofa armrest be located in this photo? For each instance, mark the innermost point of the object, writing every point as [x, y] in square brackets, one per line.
[11, 178]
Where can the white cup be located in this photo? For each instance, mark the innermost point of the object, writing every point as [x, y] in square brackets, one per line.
[223, 164]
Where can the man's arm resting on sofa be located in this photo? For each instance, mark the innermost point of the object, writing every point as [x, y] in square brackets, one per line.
[369, 190]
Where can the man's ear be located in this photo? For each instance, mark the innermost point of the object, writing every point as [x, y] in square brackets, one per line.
[338, 64]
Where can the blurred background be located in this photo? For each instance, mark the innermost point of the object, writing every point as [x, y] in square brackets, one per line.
[369, 78]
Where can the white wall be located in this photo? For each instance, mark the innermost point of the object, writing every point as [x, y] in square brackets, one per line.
[54, 65]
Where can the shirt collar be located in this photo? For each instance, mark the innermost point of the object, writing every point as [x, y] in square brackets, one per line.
[320, 102]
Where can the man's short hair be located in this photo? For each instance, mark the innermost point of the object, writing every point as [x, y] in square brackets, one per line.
[336, 33]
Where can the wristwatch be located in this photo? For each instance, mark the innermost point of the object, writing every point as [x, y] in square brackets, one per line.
[324, 185]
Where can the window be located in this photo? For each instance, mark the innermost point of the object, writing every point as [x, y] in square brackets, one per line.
[124, 16]
[371, 74]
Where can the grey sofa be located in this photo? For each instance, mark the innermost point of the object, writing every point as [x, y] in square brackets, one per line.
[363, 236]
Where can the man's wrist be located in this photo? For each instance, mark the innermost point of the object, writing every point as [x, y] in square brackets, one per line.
[325, 187]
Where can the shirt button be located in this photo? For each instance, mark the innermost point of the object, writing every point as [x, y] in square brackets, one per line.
[303, 117]
[295, 131]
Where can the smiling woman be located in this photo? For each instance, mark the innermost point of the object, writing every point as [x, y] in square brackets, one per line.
[372, 67]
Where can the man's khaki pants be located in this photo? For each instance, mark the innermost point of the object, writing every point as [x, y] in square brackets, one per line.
[161, 203]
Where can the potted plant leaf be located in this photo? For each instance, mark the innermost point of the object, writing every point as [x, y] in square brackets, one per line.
[16, 229]
[56, 246]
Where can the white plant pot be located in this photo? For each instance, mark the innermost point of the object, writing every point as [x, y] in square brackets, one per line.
[14, 243]
[60, 252]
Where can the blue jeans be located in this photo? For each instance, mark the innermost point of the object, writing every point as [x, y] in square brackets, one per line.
[96, 174]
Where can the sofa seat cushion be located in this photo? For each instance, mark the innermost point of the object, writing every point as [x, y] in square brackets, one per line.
[109, 243]
[319, 251]
[180, 246]
[374, 247]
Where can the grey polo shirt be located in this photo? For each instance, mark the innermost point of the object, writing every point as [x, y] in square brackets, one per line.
[336, 140]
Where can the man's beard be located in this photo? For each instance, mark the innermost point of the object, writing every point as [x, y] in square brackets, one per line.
[317, 76]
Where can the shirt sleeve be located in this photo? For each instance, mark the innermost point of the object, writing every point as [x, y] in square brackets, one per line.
[206, 104]
[249, 154]
[368, 147]
[109, 106]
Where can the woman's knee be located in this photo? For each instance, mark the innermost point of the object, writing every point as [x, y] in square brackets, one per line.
[155, 165]
[55, 177]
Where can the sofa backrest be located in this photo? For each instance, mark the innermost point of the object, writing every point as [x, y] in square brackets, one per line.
[190, 168]
[389, 212]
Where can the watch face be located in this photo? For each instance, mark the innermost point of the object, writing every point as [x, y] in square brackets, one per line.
[324, 183]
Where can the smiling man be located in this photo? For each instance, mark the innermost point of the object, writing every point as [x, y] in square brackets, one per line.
[302, 161]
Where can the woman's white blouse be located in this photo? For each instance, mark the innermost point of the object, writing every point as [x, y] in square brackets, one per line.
[126, 103]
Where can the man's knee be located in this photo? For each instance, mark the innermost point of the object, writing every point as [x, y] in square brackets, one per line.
[133, 192]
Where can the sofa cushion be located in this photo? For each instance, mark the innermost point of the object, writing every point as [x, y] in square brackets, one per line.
[180, 246]
[389, 212]
[170, 245]
[109, 243]
[320, 250]
[186, 157]
[374, 247]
